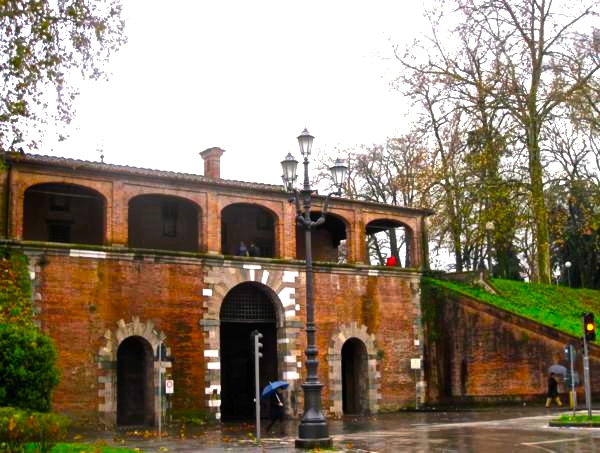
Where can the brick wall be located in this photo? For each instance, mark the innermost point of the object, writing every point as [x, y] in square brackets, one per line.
[82, 298]
[85, 296]
[476, 352]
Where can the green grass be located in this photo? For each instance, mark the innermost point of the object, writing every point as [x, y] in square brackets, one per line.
[584, 419]
[558, 307]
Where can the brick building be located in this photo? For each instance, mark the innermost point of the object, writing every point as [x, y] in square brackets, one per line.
[123, 259]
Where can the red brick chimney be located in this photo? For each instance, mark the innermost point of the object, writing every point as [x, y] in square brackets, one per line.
[212, 162]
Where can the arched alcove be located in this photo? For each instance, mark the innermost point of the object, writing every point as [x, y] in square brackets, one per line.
[163, 222]
[355, 378]
[250, 224]
[327, 239]
[56, 212]
[135, 384]
[387, 238]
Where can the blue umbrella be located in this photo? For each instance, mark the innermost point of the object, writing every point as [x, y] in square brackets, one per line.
[269, 389]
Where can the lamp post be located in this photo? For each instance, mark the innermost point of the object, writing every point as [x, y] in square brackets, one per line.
[489, 228]
[568, 266]
[312, 431]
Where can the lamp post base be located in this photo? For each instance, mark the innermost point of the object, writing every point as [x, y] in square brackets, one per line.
[309, 444]
[313, 431]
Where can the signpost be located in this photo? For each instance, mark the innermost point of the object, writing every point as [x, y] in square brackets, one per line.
[572, 376]
[159, 353]
[415, 364]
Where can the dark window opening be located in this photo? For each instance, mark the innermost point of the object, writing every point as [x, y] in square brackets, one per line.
[248, 230]
[169, 214]
[59, 203]
[59, 231]
[63, 213]
[328, 240]
[163, 222]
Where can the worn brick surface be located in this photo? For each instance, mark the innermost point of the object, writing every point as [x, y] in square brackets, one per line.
[82, 298]
[478, 352]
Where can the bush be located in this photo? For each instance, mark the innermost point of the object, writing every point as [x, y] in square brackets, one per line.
[19, 428]
[28, 371]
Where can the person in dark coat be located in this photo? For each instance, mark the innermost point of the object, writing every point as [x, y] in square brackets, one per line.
[254, 250]
[553, 391]
[277, 411]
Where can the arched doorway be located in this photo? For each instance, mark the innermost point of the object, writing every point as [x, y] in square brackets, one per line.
[247, 307]
[355, 380]
[135, 388]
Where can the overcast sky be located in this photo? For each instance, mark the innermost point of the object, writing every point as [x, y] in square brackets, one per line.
[247, 77]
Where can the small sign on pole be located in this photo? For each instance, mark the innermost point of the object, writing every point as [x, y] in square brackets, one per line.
[169, 388]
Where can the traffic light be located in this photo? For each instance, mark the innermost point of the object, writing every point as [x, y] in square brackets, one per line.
[257, 344]
[589, 326]
[570, 353]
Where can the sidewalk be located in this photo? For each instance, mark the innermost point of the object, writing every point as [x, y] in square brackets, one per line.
[351, 434]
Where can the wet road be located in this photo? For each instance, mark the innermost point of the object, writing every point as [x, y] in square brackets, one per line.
[492, 430]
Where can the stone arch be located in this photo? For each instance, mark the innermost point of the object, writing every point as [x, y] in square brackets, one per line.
[164, 221]
[329, 240]
[107, 364]
[250, 223]
[398, 232]
[334, 359]
[281, 287]
[64, 212]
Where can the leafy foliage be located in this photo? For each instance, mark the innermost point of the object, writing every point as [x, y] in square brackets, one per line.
[558, 307]
[41, 431]
[28, 372]
[15, 289]
[485, 100]
[42, 42]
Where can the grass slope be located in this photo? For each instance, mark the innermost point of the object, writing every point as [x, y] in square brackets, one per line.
[555, 306]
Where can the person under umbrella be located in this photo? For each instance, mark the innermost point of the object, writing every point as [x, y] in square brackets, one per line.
[277, 411]
[552, 391]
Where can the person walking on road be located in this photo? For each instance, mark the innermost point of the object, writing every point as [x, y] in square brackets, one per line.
[277, 410]
[552, 391]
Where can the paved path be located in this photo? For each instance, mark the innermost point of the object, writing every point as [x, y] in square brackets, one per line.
[499, 430]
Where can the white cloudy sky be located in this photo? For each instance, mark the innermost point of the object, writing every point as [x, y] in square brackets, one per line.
[245, 76]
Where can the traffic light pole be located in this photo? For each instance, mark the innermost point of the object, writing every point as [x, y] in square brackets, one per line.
[573, 396]
[257, 355]
[586, 377]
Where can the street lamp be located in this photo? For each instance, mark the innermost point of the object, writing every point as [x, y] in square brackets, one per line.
[568, 266]
[489, 228]
[312, 431]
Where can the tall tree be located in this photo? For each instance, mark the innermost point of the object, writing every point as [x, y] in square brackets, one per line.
[43, 44]
[538, 55]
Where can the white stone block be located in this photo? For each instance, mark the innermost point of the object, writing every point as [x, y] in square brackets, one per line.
[291, 375]
[207, 292]
[289, 276]
[211, 353]
[214, 365]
